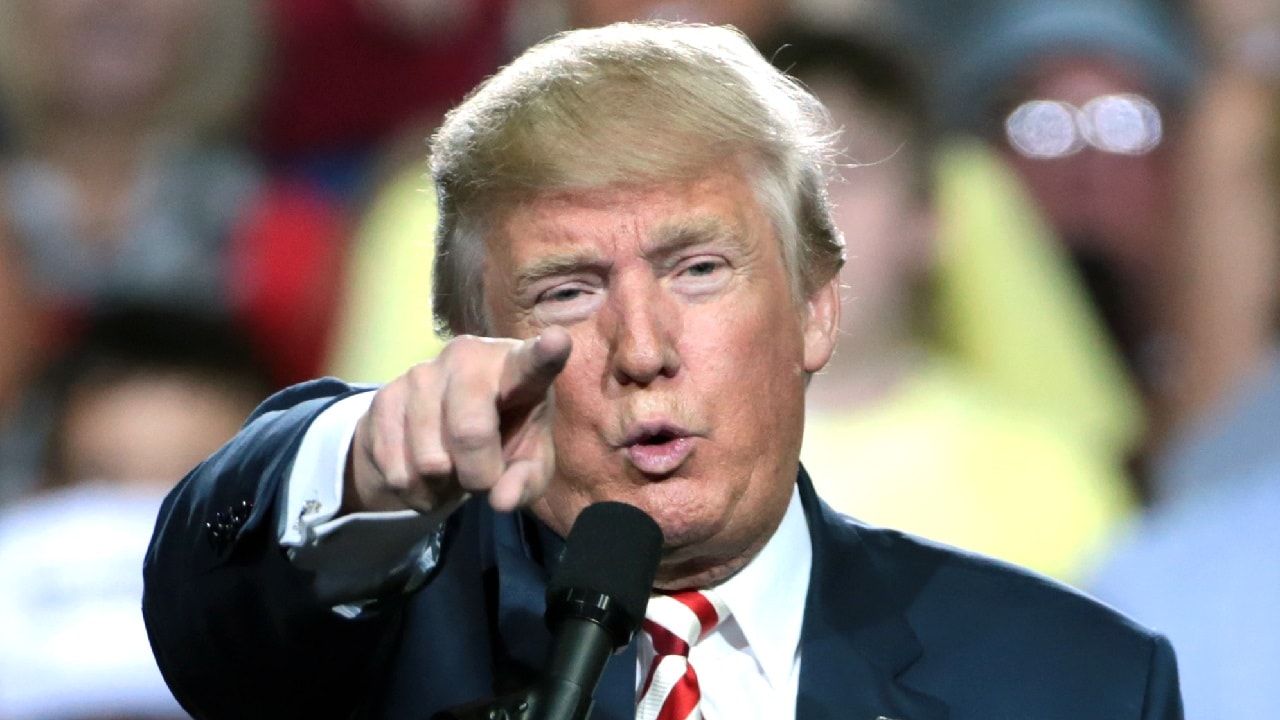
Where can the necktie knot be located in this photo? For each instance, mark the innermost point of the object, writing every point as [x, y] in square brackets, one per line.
[675, 622]
[679, 620]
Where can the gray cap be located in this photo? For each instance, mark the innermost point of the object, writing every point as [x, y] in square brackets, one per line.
[1007, 38]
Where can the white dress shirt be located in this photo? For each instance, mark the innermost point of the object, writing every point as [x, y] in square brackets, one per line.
[353, 555]
[748, 667]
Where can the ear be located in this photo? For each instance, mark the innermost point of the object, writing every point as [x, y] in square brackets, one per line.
[821, 325]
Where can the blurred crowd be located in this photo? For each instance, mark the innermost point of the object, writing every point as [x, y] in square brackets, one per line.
[1060, 322]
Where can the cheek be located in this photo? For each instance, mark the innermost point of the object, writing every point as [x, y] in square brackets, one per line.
[739, 359]
[582, 380]
[579, 399]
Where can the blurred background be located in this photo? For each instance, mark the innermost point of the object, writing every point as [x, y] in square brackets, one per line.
[1059, 338]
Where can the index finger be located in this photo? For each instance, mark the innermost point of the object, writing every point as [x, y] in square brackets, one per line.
[530, 369]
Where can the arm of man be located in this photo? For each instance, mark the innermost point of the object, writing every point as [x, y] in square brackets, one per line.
[238, 629]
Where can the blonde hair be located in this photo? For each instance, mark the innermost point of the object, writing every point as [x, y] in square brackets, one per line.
[210, 95]
[629, 104]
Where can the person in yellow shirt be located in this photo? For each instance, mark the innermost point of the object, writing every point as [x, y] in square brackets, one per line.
[388, 284]
[902, 433]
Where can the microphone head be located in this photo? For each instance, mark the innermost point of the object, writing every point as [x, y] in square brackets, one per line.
[606, 572]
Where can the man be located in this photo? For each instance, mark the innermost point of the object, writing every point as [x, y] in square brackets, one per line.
[634, 219]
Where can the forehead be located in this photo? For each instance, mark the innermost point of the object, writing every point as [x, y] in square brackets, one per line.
[717, 206]
[1077, 78]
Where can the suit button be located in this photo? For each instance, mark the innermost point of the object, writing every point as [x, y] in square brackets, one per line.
[225, 525]
[216, 531]
[240, 512]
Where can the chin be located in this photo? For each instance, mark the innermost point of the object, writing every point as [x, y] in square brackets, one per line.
[690, 510]
[690, 528]
[681, 504]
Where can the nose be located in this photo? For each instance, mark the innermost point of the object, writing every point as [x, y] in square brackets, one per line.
[645, 325]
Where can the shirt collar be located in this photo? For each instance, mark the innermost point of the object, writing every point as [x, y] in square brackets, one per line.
[767, 597]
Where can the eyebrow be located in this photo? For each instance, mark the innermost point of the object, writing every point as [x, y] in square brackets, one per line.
[553, 265]
[669, 239]
[675, 237]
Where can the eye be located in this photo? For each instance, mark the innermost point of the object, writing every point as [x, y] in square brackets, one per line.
[561, 294]
[567, 302]
[703, 268]
[702, 275]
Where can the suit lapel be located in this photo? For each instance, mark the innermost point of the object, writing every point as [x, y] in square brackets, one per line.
[522, 582]
[856, 643]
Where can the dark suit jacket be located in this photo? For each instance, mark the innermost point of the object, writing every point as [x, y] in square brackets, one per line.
[894, 626]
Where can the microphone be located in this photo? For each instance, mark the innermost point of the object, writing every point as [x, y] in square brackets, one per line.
[595, 603]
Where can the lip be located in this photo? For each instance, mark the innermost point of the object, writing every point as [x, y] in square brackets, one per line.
[658, 458]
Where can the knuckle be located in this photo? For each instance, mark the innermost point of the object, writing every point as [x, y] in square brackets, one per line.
[422, 374]
[383, 458]
[397, 481]
[385, 410]
[432, 463]
[381, 403]
[380, 442]
[459, 345]
[473, 432]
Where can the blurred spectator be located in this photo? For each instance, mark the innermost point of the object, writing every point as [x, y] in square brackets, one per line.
[1202, 565]
[1009, 306]
[20, 364]
[17, 325]
[939, 453]
[759, 20]
[145, 395]
[126, 179]
[1225, 404]
[1204, 572]
[770, 24]
[384, 321]
[350, 76]
[1086, 99]
[72, 642]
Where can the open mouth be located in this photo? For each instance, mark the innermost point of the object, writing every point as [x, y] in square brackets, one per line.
[659, 451]
[658, 438]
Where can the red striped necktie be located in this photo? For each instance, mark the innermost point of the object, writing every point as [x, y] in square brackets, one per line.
[675, 623]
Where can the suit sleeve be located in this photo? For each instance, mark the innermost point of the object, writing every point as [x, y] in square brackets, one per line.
[238, 631]
[1164, 698]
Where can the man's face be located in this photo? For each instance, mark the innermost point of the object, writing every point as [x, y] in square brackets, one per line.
[110, 56]
[684, 393]
[1102, 204]
[148, 430]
